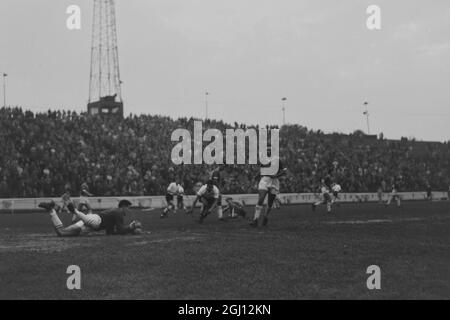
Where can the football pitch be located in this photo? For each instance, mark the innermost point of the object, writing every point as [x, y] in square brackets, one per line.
[300, 255]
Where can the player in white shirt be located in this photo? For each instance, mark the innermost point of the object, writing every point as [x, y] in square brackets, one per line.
[336, 189]
[326, 198]
[269, 186]
[208, 195]
[174, 190]
[394, 196]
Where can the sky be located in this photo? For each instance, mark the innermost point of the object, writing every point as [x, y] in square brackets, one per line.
[248, 54]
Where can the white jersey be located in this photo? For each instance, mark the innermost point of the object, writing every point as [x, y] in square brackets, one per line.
[175, 189]
[336, 188]
[212, 194]
[324, 190]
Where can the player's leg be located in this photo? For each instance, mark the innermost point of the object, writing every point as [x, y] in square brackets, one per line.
[220, 209]
[170, 206]
[263, 189]
[270, 202]
[259, 207]
[317, 203]
[273, 194]
[207, 204]
[328, 202]
[71, 231]
[90, 220]
[389, 200]
[398, 200]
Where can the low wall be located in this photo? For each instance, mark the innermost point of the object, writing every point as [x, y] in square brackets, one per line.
[100, 203]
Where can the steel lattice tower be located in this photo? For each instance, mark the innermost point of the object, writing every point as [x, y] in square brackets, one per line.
[105, 96]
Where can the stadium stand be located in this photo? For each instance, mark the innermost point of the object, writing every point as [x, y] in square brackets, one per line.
[43, 152]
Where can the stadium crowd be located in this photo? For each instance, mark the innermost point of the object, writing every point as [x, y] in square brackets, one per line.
[43, 153]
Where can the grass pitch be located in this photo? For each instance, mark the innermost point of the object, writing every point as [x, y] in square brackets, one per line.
[300, 255]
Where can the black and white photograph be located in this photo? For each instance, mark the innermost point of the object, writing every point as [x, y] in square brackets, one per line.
[224, 155]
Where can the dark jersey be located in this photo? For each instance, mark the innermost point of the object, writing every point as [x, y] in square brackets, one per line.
[113, 222]
[216, 176]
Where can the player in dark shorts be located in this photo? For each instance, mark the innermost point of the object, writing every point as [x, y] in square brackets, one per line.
[113, 220]
[216, 177]
[208, 195]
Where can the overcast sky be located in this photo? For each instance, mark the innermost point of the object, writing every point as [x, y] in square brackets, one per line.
[248, 54]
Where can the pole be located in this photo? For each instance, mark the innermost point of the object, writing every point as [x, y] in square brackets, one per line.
[366, 113]
[4, 89]
[206, 104]
[284, 110]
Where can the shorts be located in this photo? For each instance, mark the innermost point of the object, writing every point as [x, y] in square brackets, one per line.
[326, 197]
[269, 184]
[207, 203]
[169, 198]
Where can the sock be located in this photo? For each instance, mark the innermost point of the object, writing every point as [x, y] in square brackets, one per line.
[220, 212]
[233, 213]
[258, 210]
[55, 220]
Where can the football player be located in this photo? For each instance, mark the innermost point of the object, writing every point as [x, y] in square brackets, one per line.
[174, 190]
[326, 198]
[77, 228]
[111, 221]
[208, 195]
[180, 198]
[216, 177]
[236, 208]
[336, 189]
[394, 196]
[269, 185]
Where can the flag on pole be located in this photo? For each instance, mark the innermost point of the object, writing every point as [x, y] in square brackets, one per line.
[5, 75]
